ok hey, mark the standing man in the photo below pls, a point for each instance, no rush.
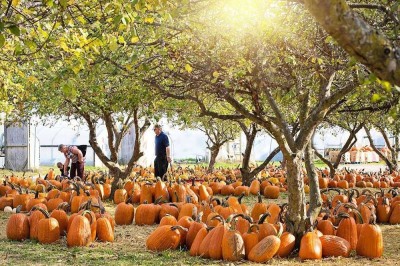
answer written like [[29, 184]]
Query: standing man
[[163, 152], [72, 153]]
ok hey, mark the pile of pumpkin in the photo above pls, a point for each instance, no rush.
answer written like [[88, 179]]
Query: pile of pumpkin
[[349, 179], [240, 237], [43, 215]]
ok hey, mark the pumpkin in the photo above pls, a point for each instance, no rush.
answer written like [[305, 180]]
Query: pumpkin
[[36, 215], [394, 217], [21, 199], [370, 243], [79, 233], [146, 193], [266, 248], [6, 201], [120, 195], [104, 230], [250, 239], [48, 229], [347, 229], [233, 248], [18, 226], [255, 187], [77, 199], [215, 244], [61, 216], [161, 191], [271, 192], [169, 208], [325, 226], [195, 246], [188, 209], [194, 228], [147, 214], [310, 246], [52, 204], [265, 229], [124, 213], [36, 200], [383, 211], [258, 209], [334, 246], [168, 220], [286, 247], [164, 237]]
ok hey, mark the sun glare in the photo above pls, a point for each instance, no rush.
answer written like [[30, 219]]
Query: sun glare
[[243, 16]]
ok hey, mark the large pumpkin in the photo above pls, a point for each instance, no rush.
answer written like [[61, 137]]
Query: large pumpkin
[[310, 246], [79, 233], [18, 226], [124, 213], [370, 243], [334, 246], [164, 237], [48, 229]]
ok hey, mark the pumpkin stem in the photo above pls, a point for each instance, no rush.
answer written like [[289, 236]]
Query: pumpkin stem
[[18, 209], [91, 214], [280, 231], [263, 217], [45, 213]]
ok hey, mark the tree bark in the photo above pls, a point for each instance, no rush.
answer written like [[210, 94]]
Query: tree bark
[[395, 152], [332, 169], [383, 157], [245, 170], [247, 177], [357, 37], [315, 195], [214, 149], [296, 218]]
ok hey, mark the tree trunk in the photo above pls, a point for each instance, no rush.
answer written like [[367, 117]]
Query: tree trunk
[[118, 176], [296, 218], [352, 139], [248, 176], [395, 152], [383, 157], [139, 132], [332, 169], [369, 46], [315, 195], [213, 158]]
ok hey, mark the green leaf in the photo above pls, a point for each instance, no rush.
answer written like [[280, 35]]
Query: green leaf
[[1, 26], [135, 39], [386, 86], [14, 30], [49, 3], [117, 19], [149, 20], [188, 68], [375, 98], [215, 74], [63, 3], [31, 45], [121, 39], [2, 40]]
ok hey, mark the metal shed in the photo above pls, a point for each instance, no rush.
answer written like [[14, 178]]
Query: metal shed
[[21, 147]]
